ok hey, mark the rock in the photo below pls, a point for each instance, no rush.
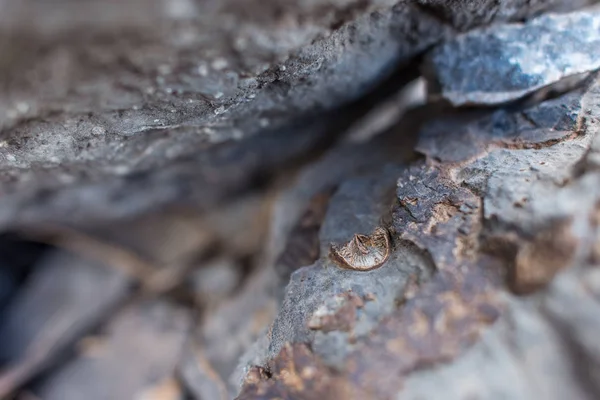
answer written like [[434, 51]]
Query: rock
[[464, 136], [199, 376], [320, 289], [175, 133], [501, 63], [64, 298], [165, 132], [464, 15], [310, 379], [137, 357], [214, 282], [437, 215], [526, 211], [228, 332], [522, 187], [548, 336], [137, 102], [517, 232]]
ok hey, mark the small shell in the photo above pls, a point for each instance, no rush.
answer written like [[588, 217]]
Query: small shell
[[364, 253]]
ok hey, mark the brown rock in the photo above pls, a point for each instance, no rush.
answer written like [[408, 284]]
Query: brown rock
[[341, 319], [538, 261]]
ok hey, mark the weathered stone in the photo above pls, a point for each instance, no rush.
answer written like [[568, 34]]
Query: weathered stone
[[313, 290], [337, 314], [529, 187], [464, 136], [551, 230], [501, 63], [168, 127], [53, 157], [549, 336], [529, 209], [296, 374], [437, 215], [466, 14], [117, 103]]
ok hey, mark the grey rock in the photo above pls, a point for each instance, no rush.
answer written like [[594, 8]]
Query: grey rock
[[135, 92], [465, 136], [501, 63], [140, 351], [522, 206], [357, 207], [466, 14], [527, 186], [137, 108], [548, 337], [230, 329], [56, 149], [543, 345], [65, 298]]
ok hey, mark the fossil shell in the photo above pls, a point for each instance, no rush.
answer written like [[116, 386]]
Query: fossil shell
[[363, 253]]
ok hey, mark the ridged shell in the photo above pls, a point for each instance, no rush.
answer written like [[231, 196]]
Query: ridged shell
[[362, 252]]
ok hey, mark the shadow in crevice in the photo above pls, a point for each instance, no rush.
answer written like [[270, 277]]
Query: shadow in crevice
[[18, 257]]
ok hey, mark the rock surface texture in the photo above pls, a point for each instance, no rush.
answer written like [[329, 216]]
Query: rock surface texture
[[498, 64], [174, 173]]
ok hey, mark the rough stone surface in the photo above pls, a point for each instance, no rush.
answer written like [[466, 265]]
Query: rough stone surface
[[467, 135], [465, 14], [547, 336], [125, 97], [524, 213], [502, 63], [169, 121], [296, 374], [314, 287], [207, 153]]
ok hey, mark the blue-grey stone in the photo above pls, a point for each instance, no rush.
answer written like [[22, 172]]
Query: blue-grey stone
[[501, 63]]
